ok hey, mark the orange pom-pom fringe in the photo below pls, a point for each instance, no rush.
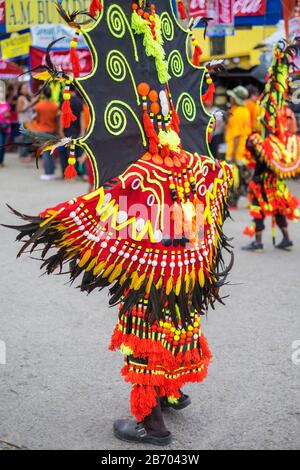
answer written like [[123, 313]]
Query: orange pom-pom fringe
[[143, 399]]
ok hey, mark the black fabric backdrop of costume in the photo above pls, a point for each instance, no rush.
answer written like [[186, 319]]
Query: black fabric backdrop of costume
[[114, 153]]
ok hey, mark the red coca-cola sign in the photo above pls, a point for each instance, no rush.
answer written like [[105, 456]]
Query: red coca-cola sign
[[2, 11], [250, 7], [227, 9], [226, 14], [61, 59], [198, 8]]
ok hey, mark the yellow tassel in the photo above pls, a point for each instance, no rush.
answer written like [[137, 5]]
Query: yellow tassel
[[123, 278], [116, 273], [99, 268], [92, 264], [109, 270], [192, 280], [169, 286], [187, 282], [201, 278], [159, 283], [126, 350], [85, 258], [140, 281], [178, 286], [134, 278], [149, 283]]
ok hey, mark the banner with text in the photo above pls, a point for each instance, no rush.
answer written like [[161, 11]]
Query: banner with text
[[61, 59], [16, 46], [240, 7], [22, 14]]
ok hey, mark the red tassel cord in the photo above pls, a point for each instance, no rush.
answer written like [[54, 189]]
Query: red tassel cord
[[70, 171], [197, 55], [150, 133], [76, 67], [208, 96], [67, 115], [181, 10], [95, 7]]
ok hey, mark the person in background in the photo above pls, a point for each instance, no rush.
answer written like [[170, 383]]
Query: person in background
[[12, 101], [238, 129], [5, 128], [25, 106], [290, 121], [76, 130], [47, 122], [252, 105]]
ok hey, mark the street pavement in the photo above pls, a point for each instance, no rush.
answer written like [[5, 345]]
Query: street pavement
[[61, 387]]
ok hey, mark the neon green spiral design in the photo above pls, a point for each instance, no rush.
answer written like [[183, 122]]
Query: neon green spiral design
[[115, 119], [117, 67], [118, 24], [167, 26], [176, 65], [188, 106]]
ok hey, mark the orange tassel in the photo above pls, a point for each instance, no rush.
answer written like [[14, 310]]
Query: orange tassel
[[209, 94], [95, 7], [70, 172], [153, 147], [165, 151], [76, 67], [181, 10], [67, 115], [149, 127], [197, 55]]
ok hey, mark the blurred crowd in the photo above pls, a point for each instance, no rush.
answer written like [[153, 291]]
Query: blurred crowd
[[42, 116]]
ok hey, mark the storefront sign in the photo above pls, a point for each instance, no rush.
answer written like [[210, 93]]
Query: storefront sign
[[240, 7], [16, 46], [222, 12], [2, 11], [22, 14], [61, 59], [43, 35], [250, 7]]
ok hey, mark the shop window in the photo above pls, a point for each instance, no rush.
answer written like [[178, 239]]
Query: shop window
[[217, 46]]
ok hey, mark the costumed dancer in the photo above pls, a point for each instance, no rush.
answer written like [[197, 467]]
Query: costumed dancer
[[276, 153], [152, 229]]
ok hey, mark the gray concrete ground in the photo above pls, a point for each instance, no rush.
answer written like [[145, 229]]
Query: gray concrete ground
[[61, 387]]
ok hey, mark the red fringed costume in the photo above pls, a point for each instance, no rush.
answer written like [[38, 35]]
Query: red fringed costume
[[274, 152], [152, 229]]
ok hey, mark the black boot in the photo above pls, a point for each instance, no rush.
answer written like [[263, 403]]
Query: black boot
[[151, 431], [286, 245], [183, 402]]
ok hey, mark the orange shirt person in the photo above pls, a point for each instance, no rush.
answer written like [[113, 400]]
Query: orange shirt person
[[47, 115]]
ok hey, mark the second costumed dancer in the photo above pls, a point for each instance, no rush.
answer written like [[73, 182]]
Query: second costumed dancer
[[276, 155], [152, 229]]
